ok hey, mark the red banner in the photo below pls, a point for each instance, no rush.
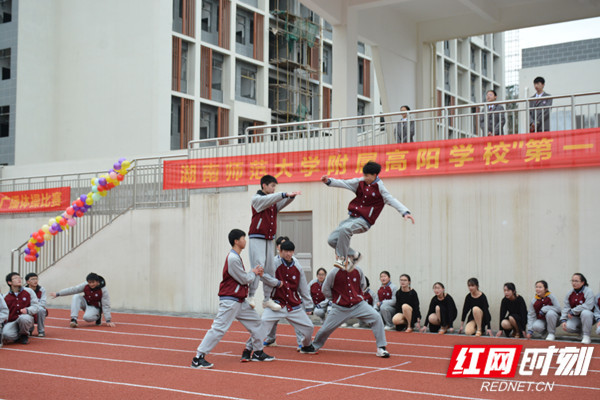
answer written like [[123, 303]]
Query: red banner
[[28, 201], [564, 149]]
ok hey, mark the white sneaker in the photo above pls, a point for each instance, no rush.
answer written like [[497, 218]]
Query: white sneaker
[[551, 336], [344, 325], [349, 265], [340, 262], [272, 305], [389, 328], [356, 325], [586, 339], [251, 302], [357, 257], [382, 352]]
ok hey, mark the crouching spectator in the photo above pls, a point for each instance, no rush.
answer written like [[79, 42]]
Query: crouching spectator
[[543, 313]]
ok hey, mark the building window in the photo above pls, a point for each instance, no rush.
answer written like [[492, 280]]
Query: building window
[[5, 11], [207, 15], [447, 48], [184, 12], [5, 63], [246, 82], [361, 48], [447, 76], [327, 64], [240, 29], [473, 62], [248, 86], [484, 63], [217, 71], [4, 120]]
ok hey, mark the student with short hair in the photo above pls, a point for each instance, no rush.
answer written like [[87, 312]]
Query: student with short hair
[[290, 291], [477, 308], [93, 300], [233, 291], [22, 305], [543, 313], [32, 283], [266, 203], [442, 311], [363, 210], [344, 288], [539, 107], [513, 313], [578, 309]]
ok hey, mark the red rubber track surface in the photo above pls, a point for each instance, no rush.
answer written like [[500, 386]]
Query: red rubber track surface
[[149, 356]]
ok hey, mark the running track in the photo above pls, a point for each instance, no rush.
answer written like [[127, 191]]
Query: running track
[[148, 357]]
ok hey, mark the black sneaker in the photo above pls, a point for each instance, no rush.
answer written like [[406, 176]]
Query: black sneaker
[[261, 356], [99, 320], [310, 349], [73, 323], [200, 362], [23, 339], [246, 355]]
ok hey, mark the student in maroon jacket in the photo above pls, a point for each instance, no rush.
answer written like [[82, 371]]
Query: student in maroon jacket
[[32, 283], [233, 291], [363, 210], [93, 300], [22, 304]]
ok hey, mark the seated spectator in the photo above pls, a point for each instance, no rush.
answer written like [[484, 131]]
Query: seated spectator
[[3, 316], [407, 312], [513, 313], [316, 293], [543, 313], [578, 309], [442, 311], [403, 127], [596, 312], [94, 300], [22, 305], [32, 283], [477, 309], [385, 294]]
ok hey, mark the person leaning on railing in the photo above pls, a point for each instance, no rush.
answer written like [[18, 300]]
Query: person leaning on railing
[[495, 116]]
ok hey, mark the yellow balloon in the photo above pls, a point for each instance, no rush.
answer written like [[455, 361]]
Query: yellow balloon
[[93, 181], [51, 221], [125, 164], [117, 183], [89, 201], [47, 236], [103, 193], [46, 228], [57, 219]]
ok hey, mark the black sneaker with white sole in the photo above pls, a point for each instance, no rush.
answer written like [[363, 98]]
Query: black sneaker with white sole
[[246, 355], [200, 362], [310, 349], [382, 352], [261, 356]]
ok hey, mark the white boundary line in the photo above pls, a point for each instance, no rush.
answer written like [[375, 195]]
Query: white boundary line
[[212, 396], [348, 377]]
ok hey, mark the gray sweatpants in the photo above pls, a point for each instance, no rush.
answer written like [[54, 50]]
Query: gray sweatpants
[[297, 318], [362, 311], [41, 319], [340, 237], [262, 252], [582, 323], [230, 310], [272, 335], [91, 313], [20, 326], [387, 311], [539, 326]]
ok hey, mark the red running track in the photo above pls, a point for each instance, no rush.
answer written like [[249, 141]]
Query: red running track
[[148, 356]]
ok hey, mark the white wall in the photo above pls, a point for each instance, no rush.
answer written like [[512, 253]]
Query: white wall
[[513, 226], [582, 78], [94, 79]]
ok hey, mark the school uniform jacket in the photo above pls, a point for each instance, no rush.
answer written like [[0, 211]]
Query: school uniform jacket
[[539, 116], [264, 213], [234, 285], [97, 297], [369, 200], [294, 291], [576, 302], [495, 119], [316, 293], [15, 302], [344, 288], [386, 292], [540, 306], [3, 311]]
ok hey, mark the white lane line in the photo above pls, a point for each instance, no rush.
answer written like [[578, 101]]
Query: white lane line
[[210, 395], [234, 372], [348, 377]]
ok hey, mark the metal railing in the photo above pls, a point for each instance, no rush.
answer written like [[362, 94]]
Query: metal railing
[[574, 111], [141, 188]]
